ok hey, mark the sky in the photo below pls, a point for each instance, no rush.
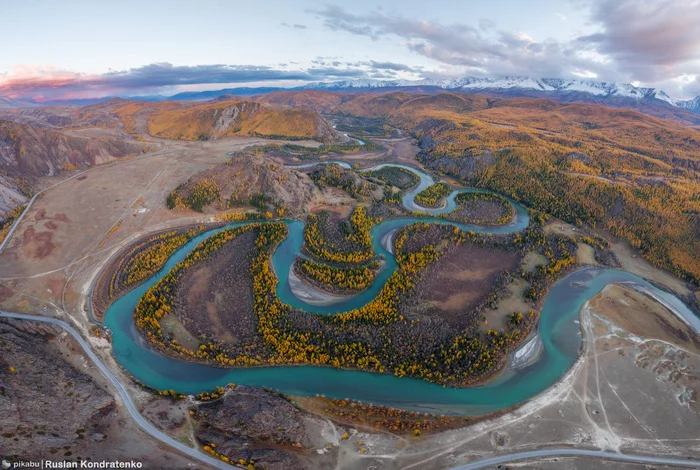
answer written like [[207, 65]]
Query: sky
[[90, 48]]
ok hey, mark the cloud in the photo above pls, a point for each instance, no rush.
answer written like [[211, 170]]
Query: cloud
[[396, 67], [693, 88], [482, 49], [651, 39], [336, 72], [636, 40], [295, 25], [655, 42], [45, 84]]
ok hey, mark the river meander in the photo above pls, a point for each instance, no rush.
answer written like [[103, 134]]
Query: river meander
[[558, 328]]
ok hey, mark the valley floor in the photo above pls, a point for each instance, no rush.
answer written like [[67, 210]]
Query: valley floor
[[627, 393]]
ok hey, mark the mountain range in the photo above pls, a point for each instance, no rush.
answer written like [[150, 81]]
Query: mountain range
[[516, 85], [649, 101], [553, 88]]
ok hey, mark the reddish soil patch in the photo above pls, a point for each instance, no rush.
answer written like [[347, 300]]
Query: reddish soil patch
[[40, 215], [342, 211], [37, 245], [214, 299], [5, 293], [51, 225], [458, 282], [56, 287]]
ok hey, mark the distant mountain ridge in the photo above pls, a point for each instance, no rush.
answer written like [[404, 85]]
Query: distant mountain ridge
[[691, 105], [520, 83], [648, 100]]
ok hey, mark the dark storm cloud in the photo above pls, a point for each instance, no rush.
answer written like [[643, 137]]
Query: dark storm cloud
[[164, 74], [152, 76]]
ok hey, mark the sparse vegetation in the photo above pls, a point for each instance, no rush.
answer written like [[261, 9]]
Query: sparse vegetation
[[433, 195], [396, 176], [230, 118]]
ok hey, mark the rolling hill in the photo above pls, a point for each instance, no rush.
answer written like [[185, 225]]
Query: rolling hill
[[222, 117], [630, 174], [243, 117]]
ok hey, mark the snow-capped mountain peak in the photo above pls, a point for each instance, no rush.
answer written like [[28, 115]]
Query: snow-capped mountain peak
[[521, 83], [691, 105]]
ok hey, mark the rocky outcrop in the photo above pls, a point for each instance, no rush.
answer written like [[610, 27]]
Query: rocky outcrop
[[258, 425], [582, 157], [51, 409], [46, 405], [252, 179], [28, 152], [241, 117], [11, 195]]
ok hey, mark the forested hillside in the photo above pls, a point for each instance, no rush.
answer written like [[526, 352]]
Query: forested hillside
[[634, 175], [628, 173]]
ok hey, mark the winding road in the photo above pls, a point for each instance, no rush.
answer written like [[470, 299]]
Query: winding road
[[121, 390], [643, 459]]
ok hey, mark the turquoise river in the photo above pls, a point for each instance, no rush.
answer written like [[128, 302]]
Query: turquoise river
[[558, 328]]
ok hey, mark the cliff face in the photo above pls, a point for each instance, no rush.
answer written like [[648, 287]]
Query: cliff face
[[28, 152]]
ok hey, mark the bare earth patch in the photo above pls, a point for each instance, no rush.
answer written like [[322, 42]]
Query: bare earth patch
[[214, 299], [585, 254], [641, 315], [533, 260], [458, 281], [512, 302]]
